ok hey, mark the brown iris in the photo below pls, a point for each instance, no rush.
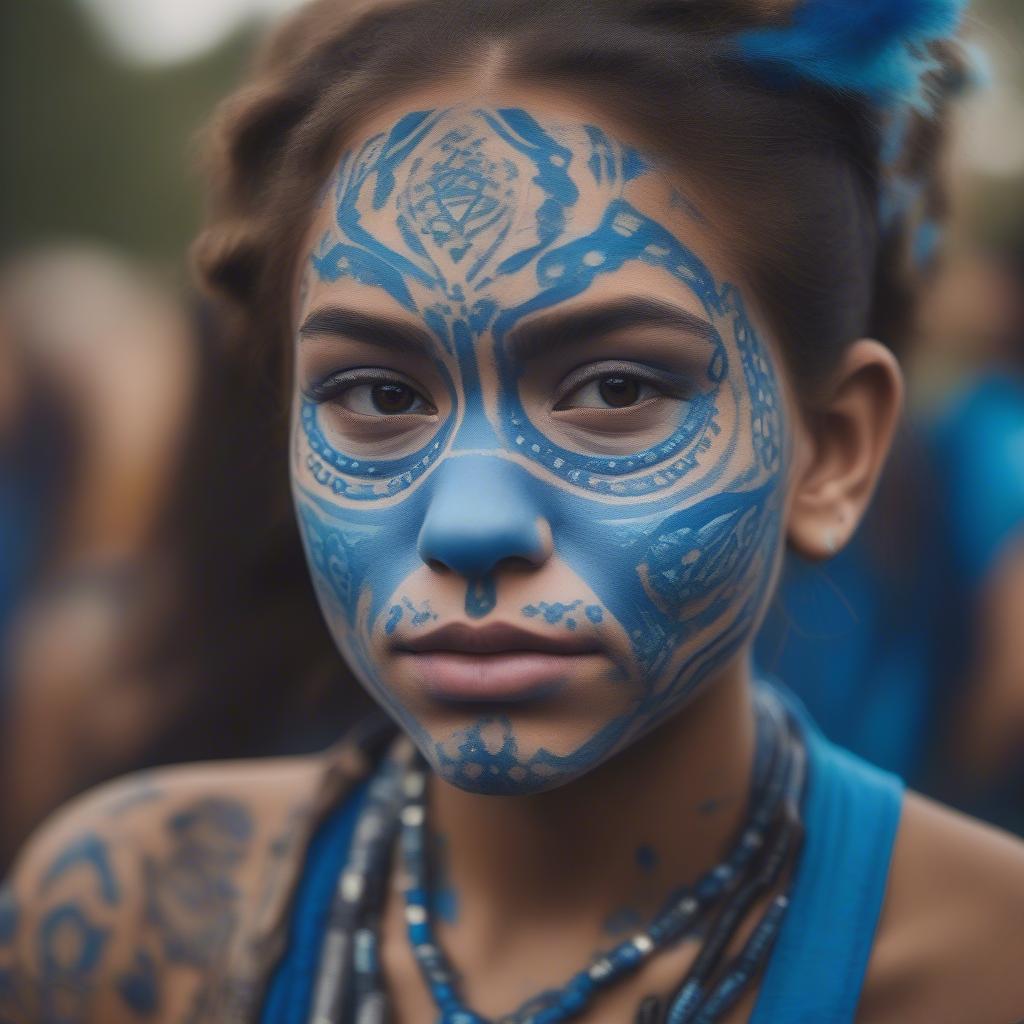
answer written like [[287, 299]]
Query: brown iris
[[393, 398], [619, 392]]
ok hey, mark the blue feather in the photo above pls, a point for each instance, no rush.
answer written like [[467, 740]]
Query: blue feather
[[872, 48]]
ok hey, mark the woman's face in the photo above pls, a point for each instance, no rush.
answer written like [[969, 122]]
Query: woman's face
[[539, 445]]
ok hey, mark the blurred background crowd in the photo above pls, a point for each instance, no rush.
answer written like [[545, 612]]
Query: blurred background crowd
[[154, 605]]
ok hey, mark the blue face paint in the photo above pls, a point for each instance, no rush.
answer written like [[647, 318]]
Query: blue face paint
[[481, 596], [394, 618], [551, 613], [473, 223]]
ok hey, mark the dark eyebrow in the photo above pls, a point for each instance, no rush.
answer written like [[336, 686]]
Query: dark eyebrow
[[374, 330], [540, 335]]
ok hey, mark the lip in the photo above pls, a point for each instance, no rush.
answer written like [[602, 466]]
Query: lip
[[496, 638], [498, 662]]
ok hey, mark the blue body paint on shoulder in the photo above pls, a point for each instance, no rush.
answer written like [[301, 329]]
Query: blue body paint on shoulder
[[70, 947], [90, 852], [139, 988], [191, 894]]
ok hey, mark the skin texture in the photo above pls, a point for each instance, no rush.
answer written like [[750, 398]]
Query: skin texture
[[153, 880]]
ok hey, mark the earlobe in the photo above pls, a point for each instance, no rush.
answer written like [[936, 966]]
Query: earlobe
[[841, 445]]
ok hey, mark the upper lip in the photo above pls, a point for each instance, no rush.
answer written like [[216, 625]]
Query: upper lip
[[497, 638]]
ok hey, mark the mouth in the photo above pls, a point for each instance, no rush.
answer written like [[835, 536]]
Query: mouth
[[498, 662]]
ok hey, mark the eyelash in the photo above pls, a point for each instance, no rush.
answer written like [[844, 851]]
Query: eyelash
[[334, 387]]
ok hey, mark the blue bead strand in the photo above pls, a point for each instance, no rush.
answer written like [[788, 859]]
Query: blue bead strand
[[778, 762], [746, 965], [691, 1001]]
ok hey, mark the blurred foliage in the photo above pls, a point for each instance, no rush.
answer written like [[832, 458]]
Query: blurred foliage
[[96, 148]]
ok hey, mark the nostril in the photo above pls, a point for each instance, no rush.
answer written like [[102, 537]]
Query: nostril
[[521, 562]]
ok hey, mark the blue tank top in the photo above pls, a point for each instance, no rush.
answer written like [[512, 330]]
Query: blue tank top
[[816, 971]]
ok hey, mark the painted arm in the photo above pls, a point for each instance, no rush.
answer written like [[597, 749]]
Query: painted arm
[[69, 909], [123, 907]]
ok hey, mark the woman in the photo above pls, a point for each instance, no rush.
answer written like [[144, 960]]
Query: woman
[[581, 299]]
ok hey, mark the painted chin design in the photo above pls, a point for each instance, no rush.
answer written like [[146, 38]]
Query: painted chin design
[[657, 562]]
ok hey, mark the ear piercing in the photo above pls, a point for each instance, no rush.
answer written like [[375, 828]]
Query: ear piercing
[[830, 542]]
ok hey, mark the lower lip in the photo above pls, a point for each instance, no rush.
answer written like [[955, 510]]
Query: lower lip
[[512, 675]]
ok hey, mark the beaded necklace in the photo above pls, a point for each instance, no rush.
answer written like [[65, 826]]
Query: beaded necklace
[[349, 987]]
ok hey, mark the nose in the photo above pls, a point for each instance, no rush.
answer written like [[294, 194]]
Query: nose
[[480, 515]]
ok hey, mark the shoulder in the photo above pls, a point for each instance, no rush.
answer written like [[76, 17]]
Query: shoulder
[[951, 937], [123, 905]]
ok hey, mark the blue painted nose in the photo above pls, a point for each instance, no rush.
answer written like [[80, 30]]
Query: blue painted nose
[[481, 514]]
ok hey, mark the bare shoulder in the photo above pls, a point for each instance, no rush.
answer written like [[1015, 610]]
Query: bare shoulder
[[123, 903], [950, 942]]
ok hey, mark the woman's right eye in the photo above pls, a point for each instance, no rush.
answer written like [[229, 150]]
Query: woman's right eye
[[372, 393]]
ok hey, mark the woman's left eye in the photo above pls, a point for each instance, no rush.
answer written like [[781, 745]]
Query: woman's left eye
[[618, 391], [615, 385]]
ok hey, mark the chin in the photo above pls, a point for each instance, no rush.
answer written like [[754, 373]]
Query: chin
[[492, 756]]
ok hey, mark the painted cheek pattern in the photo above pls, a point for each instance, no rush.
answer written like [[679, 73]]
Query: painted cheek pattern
[[677, 540]]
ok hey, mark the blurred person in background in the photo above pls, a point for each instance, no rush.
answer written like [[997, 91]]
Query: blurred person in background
[[978, 457], [908, 646], [36, 449], [142, 624], [113, 372]]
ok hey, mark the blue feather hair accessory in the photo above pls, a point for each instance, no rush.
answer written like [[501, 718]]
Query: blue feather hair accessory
[[877, 49]]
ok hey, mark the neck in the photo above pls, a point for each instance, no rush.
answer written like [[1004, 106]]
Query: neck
[[608, 848]]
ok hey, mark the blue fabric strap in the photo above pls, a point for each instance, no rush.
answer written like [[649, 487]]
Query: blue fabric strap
[[851, 813], [291, 986]]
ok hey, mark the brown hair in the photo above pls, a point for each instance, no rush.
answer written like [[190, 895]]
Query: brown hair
[[793, 174]]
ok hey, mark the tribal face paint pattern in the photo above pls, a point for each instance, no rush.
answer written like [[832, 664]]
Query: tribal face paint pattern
[[476, 226]]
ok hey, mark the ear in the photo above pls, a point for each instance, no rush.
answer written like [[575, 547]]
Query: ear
[[841, 442]]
